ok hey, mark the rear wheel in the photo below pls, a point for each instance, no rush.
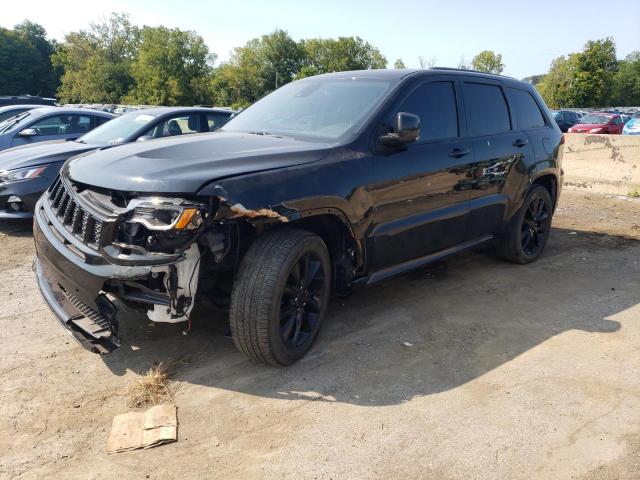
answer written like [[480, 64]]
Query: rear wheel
[[528, 232], [280, 296]]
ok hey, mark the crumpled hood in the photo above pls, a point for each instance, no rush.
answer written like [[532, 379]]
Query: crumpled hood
[[41, 153], [183, 164]]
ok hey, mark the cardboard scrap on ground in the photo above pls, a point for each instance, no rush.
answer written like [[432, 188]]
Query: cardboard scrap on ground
[[134, 430]]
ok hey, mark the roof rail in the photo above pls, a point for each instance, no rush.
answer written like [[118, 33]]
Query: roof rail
[[471, 71]]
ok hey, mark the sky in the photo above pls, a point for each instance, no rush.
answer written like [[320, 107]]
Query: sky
[[528, 34]]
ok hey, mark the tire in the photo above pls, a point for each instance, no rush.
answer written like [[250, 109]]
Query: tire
[[528, 231], [273, 320]]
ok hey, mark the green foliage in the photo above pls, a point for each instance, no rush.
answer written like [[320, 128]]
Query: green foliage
[[488, 61], [172, 67], [584, 79], [326, 55], [557, 85], [595, 68], [25, 65], [114, 61], [270, 61], [256, 69], [626, 83], [97, 62]]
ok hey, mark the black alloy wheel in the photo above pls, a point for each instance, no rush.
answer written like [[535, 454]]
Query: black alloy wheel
[[300, 305], [536, 222], [528, 231], [280, 296]]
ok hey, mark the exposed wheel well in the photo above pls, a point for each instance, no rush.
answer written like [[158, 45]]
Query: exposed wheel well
[[335, 234], [550, 183]]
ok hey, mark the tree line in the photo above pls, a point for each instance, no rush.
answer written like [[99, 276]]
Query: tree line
[[593, 77], [114, 61]]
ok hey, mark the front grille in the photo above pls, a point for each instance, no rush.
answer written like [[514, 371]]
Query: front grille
[[75, 219]]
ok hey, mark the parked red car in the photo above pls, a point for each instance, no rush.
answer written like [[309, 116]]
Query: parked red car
[[599, 122]]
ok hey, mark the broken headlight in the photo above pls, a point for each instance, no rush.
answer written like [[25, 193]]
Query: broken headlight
[[163, 214]]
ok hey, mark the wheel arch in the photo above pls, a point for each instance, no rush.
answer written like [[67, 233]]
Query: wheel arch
[[549, 180]]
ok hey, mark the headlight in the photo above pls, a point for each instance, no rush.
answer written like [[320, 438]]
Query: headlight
[[158, 213], [596, 130], [10, 176]]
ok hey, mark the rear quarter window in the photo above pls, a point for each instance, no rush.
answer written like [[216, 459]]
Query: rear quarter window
[[486, 109], [525, 109]]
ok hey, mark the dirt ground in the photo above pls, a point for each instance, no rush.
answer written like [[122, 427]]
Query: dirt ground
[[515, 372]]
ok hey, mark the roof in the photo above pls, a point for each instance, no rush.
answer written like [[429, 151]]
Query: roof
[[43, 110], [16, 106], [158, 111], [396, 75]]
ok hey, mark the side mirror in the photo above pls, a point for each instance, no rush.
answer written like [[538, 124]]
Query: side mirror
[[407, 130], [28, 132]]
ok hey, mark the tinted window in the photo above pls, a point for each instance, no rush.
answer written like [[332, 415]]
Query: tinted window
[[62, 125], [617, 121], [178, 125], [486, 109], [435, 104], [214, 120], [525, 109]]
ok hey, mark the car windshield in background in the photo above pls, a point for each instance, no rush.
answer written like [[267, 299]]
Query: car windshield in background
[[314, 108], [12, 121], [597, 119], [117, 130]]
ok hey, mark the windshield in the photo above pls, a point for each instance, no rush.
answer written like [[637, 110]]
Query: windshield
[[12, 121], [555, 113], [316, 108], [598, 119], [117, 130]]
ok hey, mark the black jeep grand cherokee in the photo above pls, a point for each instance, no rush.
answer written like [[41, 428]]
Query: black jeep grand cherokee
[[328, 182]]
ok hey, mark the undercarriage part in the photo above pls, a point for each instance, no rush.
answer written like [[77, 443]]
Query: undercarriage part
[[343, 273], [181, 283]]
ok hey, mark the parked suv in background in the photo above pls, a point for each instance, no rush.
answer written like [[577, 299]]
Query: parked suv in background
[[27, 171], [25, 100], [565, 119], [331, 181]]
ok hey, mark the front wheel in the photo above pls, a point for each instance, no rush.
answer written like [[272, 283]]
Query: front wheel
[[529, 230], [280, 296]]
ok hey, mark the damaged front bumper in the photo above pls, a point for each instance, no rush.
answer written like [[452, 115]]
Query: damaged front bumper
[[79, 284]]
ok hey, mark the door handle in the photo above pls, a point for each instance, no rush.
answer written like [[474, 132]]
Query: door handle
[[520, 142], [459, 152]]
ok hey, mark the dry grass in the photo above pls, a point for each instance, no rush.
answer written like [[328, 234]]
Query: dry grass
[[155, 385]]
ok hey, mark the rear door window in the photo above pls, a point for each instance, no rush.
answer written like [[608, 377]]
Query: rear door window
[[435, 104], [486, 109], [525, 109], [178, 125], [214, 120], [62, 125]]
